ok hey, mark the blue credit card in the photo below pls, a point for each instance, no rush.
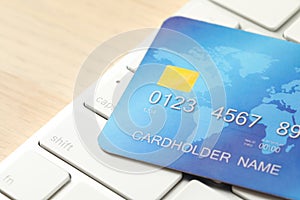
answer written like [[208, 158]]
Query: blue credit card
[[215, 102]]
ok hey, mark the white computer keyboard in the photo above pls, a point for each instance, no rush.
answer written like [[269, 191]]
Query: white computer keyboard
[[54, 164]]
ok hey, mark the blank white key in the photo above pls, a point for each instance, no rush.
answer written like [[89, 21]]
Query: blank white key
[[64, 142], [32, 177], [267, 13], [195, 189], [85, 191], [293, 32], [250, 194], [206, 11]]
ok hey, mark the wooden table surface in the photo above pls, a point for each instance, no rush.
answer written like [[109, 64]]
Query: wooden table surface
[[42, 46]]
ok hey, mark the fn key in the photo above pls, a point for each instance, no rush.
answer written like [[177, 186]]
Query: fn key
[[32, 177]]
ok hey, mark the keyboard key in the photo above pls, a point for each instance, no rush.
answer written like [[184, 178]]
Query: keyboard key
[[175, 191], [267, 13], [250, 194], [293, 32], [221, 188], [85, 191], [198, 189], [208, 12], [32, 177], [106, 96], [63, 142], [111, 86], [224, 190]]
